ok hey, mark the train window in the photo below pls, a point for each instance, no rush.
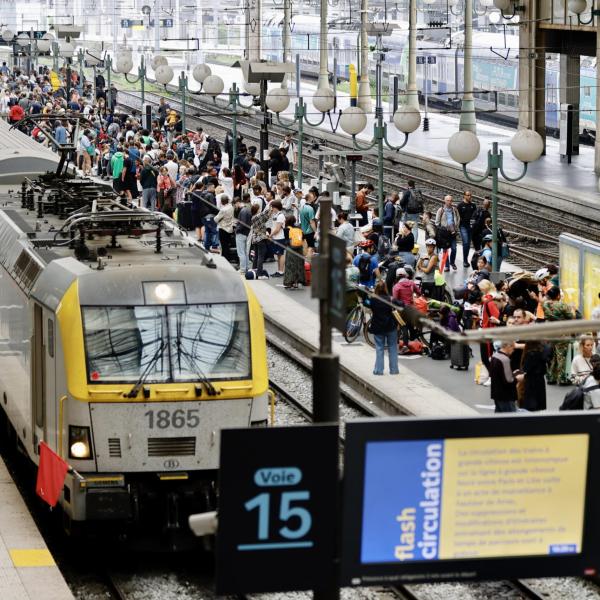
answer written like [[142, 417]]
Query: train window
[[50, 341], [501, 98], [167, 343]]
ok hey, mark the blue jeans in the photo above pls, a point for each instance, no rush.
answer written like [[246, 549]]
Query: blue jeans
[[391, 339], [465, 234], [149, 198], [211, 235], [452, 257], [240, 245], [503, 406]]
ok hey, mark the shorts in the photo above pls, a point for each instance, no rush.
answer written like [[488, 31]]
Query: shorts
[[278, 248], [310, 239]]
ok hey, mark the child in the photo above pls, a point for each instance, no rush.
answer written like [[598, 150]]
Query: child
[[294, 258]]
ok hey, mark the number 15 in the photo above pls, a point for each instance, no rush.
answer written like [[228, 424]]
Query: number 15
[[286, 512]]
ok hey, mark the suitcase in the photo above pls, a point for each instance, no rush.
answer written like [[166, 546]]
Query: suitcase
[[184, 215], [459, 356], [307, 273]]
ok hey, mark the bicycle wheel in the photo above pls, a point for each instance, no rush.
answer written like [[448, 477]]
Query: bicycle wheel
[[367, 334], [423, 334], [354, 323]]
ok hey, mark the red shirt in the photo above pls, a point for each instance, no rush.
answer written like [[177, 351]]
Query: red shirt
[[404, 291], [489, 310]]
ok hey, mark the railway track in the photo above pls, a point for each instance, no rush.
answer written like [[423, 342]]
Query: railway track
[[538, 226]]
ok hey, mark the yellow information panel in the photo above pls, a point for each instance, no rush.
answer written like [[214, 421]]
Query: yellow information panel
[[513, 496], [464, 498], [569, 272], [591, 283]]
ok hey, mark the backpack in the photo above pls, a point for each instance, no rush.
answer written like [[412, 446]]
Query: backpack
[[474, 260], [117, 161], [397, 214], [574, 399], [443, 238], [364, 268], [439, 351], [295, 235], [414, 205], [383, 246]]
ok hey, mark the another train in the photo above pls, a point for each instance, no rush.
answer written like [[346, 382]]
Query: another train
[[495, 66], [126, 347]]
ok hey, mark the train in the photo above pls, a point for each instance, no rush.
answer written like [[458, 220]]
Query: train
[[126, 347], [495, 67]]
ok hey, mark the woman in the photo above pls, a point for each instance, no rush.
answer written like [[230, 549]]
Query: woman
[[164, 186], [556, 310], [239, 181], [533, 365], [591, 388], [405, 242], [581, 366], [225, 221], [259, 237], [427, 265], [384, 327], [294, 258], [226, 181], [87, 150]]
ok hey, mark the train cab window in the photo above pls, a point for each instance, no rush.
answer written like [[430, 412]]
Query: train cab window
[[50, 342], [164, 344]]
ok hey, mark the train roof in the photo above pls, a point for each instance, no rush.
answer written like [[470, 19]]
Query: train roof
[[20, 156], [44, 248]]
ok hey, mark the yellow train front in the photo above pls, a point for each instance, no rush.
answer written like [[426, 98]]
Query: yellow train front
[[129, 372]]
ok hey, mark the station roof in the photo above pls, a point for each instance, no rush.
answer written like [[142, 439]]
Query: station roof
[[21, 156]]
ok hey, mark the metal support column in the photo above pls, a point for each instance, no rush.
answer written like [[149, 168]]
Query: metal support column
[[467, 109], [364, 86], [412, 97], [323, 81], [264, 128]]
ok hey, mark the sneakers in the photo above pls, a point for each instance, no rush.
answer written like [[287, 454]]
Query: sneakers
[[466, 265], [453, 267], [488, 383], [277, 274]]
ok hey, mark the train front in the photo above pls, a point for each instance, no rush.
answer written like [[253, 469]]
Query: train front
[[158, 360]]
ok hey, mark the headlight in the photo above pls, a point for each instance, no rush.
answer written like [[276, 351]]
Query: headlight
[[79, 442]]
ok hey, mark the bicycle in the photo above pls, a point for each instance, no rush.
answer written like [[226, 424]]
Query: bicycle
[[358, 319]]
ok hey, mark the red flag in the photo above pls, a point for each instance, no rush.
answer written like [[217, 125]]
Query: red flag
[[52, 471], [444, 259]]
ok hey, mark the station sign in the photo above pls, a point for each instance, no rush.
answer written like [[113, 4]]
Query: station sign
[[471, 499], [337, 282], [278, 507]]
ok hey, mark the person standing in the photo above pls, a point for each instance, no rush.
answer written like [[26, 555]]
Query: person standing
[[412, 206], [427, 265], [362, 203], [384, 327], [447, 221], [478, 223], [308, 223], [242, 230], [345, 230], [533, 366], [556, 310], [290, 151], [148, 181], [294, 260], [466, 210], [260, 239], [225, 222], [503, 389], [277, 236]]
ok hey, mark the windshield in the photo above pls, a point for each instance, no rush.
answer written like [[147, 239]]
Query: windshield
[[166, 343]]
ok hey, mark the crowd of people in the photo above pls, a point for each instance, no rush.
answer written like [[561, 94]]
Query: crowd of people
[[250, 212]]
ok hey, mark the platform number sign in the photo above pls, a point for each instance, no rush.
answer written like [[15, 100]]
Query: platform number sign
[[277, 509]]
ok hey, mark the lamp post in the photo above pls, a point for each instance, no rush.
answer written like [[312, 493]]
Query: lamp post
[[463, 147], [67, 50], [323, 101], [353, 120]]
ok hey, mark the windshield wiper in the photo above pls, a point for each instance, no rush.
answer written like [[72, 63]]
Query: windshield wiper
[[191, 360], [133, 392]]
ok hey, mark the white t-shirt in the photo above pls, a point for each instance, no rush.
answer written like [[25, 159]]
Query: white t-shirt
[[227, 183], [173, 169], [279, 218], [290, 152]]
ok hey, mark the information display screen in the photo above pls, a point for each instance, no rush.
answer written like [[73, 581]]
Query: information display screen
[[414, 506]]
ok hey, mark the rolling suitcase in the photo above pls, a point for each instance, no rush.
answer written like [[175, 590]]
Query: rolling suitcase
[[307, 273], [184, 215], [459, 356]]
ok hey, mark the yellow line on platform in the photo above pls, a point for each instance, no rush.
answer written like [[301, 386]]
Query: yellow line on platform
[[31, 557]]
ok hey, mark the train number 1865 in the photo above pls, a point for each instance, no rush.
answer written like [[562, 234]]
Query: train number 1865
[[179, 418]]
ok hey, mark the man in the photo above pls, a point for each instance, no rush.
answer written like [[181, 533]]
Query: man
[[308, 223], [277, 236], [503, 389], [362, 204], [389, 212], [479, 218], [290, 150], [367, 263], [171, 165], [4, 70], [116, 168], [447, 221], [412, 206], [466, 210], [242, 230], [148, 176], [163, 110], [60, 133], [345, 230]]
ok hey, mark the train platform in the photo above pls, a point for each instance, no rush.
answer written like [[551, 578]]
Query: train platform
[[27, 569], [424, 387], [548, 180]]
